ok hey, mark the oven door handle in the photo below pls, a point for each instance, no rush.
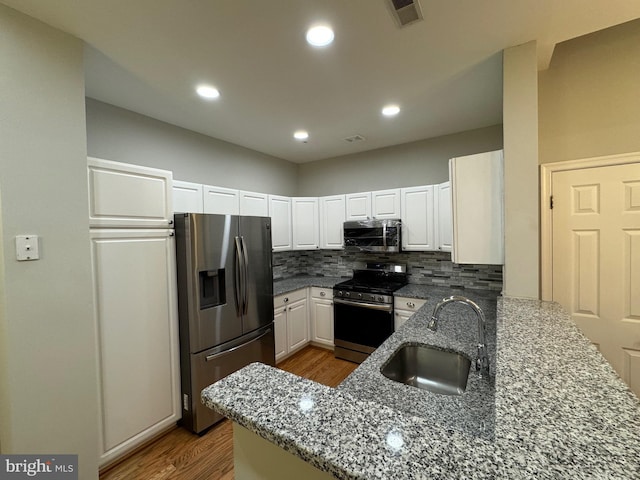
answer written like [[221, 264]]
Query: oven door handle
[[371, 306]]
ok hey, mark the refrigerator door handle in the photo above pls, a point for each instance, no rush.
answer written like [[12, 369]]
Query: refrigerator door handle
[[245, 286], [213, 356], [239, 278]]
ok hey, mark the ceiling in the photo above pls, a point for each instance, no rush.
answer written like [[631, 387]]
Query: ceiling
[[445, 72]]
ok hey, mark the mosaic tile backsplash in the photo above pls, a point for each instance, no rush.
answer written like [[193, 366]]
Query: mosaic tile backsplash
[[426, 268]]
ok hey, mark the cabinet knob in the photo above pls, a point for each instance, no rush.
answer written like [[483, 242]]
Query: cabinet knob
[[411, 304], [170, 222], [286, 299], [322, 294]]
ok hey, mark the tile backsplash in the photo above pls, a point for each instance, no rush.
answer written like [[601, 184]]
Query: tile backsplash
[[428, 268]]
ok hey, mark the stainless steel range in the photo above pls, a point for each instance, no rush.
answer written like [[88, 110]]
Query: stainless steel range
[[363, 309]]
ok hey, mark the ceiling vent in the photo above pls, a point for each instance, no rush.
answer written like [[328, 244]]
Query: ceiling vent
[[405, 12], [354, 139]]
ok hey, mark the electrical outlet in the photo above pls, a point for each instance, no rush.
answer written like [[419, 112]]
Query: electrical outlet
[[27, 247]]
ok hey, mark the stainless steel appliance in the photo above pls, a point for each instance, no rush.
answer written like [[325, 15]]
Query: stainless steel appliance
[[225, 303], [363, 309], [372, 235]]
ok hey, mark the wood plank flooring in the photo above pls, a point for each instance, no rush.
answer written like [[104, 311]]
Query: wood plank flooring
[[181, 455]]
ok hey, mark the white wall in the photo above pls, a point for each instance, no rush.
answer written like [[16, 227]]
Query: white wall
[[521, 197], [589, 96], [48, 381], [124, 136], [417, 163]]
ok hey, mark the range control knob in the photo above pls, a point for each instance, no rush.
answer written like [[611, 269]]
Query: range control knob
[[379, 298], [340, 292], [347, 294], [359, 295]]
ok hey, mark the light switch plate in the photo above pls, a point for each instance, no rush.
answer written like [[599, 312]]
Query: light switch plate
[[27, 247]]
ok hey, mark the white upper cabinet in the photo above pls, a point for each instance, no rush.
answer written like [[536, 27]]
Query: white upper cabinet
[[332, 217], [418, 230], [444, 222], [187, 197], [224, 201], [280, 213], [306, 223], [358, 205], [385, 203], [477, 193], [123, 195], [254, 204]]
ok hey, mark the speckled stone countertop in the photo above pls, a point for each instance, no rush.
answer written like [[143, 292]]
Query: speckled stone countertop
[[302, 281], [559, 410]]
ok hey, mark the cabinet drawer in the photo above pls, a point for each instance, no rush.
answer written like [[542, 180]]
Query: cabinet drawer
[[288, 298], [325, 293], [410, 304]]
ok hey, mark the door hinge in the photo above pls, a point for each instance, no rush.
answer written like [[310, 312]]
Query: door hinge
[[551, 202]]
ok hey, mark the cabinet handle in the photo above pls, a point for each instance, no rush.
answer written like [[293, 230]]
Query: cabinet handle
[[411, 304], [170, 222]]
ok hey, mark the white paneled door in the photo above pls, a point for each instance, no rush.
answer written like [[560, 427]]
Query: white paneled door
[[596, 259]]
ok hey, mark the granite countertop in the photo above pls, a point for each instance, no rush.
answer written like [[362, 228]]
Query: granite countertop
[[303, 281], [558, 409]]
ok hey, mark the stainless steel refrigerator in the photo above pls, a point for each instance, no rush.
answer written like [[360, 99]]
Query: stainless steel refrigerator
[[225, 303]]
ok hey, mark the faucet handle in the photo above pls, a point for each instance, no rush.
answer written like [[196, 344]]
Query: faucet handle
[[482, 361], [432, 325]]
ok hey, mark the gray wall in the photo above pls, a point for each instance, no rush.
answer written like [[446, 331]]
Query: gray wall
[[589, 101], [124, 136], [418, 163], [48, 379]]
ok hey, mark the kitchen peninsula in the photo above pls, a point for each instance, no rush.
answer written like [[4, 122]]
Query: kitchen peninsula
[[558, 409]]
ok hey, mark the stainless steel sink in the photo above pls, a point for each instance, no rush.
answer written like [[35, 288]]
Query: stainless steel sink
[[429, 368]]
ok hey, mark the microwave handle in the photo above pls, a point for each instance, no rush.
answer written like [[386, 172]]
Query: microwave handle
[[384, 234]]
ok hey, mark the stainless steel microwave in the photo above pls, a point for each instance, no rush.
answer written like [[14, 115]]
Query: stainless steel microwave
[[372, 235]]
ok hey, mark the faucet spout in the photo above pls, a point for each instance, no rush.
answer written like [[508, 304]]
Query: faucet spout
[[482, 360]]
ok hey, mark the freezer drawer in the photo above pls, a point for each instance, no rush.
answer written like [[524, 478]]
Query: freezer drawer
[[211, 365]]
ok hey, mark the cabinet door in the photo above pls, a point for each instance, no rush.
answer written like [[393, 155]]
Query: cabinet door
[[385, 203], [477, 193], [280, 212], [417, 218], [124, 195], [400, 317], [187, 197], [254, 204], [297, 325], [136, 307], [322, 321], [332, 216], [280, 331], [224, 201], [443, 219], [358, 206], [306, 225]]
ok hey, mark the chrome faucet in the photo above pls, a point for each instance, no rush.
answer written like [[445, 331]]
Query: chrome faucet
[[482, 362]]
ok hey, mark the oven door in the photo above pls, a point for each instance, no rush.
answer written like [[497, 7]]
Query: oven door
[[360, 328]]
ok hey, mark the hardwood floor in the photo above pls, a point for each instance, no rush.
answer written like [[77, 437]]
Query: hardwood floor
[[181, 455]]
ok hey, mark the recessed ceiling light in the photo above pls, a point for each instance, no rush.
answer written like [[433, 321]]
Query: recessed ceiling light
[[301, 135], [207, 91], [391, 110], [320, 36]]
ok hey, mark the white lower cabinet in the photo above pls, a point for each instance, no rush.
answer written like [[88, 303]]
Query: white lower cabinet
[[404, 308], [291, 322], [322, 316], [136, 311]]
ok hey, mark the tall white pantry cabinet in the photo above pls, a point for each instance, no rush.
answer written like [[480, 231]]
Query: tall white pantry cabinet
[[133, 260]]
